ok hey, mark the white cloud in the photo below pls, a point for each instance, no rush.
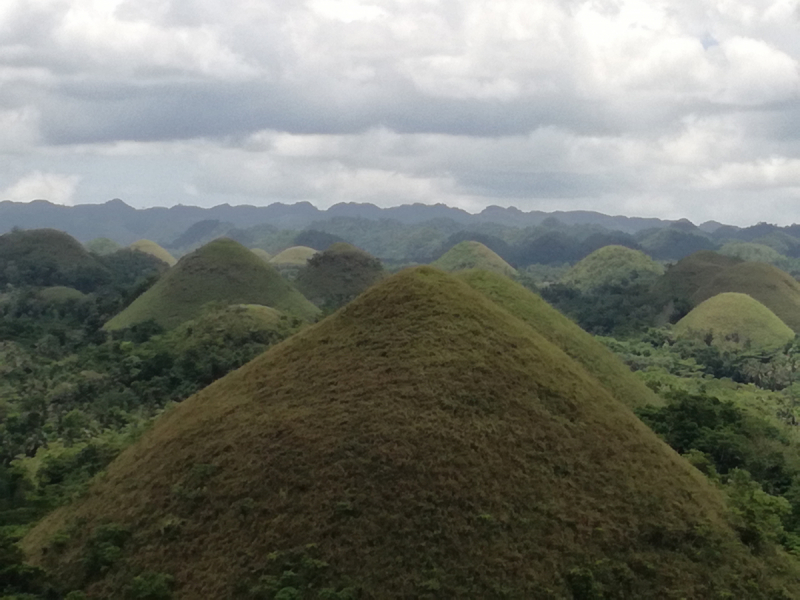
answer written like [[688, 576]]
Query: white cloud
[[54, 187], [570, 104]]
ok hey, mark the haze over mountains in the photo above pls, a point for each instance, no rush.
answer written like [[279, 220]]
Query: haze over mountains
[[118, 221]]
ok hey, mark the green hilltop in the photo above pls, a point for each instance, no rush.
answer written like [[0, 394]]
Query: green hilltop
[[682, 280], [775, 289], [59, 294], [221, 325], [221, 271], [296, 256], [422, 442], [261, 253], [735, 320], [472, 255], [333, 278], [48, 257], [612, 265], [565, 334], [153, 249], [102, 246]]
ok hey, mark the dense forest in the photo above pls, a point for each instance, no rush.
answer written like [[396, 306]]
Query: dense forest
[[690, 332]]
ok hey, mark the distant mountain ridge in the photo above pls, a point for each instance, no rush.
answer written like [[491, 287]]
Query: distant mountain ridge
[[125, 224]]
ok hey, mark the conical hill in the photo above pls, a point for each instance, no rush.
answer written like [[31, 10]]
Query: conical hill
[[221, 271], [565, 334], [472, 255], [420, 442], [153, 249], [683, 279], [48, 257], [775, 289], [613, 265], [333, 278], [735, 320]]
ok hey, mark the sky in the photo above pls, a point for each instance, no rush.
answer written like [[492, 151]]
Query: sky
[[673, 109]]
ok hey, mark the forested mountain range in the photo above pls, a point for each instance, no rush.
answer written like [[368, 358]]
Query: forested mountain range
[[125, 224]]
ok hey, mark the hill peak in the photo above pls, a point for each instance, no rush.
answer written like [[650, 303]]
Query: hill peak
[[421, 440]]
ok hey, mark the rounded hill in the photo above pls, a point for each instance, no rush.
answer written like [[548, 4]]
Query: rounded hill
[[737, 320], [102, 246], [333, 278], [775, 289], [682, 280], [221, 271], [613, 265], [421, 441], [48, 257], [153, 249], [470, 254], [261, 253], [296, 256]]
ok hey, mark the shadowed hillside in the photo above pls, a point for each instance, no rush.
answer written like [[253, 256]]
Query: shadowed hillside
[[221, 271], [421, 442], [333, 278], [775, 289], [564, 333], [47, 257], [153, 249], [472, 255], [735, 320], [612, 265], [683, 279]]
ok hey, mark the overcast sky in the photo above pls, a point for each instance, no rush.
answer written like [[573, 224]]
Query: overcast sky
[[685, 108]]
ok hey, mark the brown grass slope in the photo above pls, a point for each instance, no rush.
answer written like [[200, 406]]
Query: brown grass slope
[[683, 279], [473, 255], [775, 289], [421, 442], [221, 271], [564, 333], [153, 249]]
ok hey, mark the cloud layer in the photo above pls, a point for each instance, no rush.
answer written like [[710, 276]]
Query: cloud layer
[[673, 108]]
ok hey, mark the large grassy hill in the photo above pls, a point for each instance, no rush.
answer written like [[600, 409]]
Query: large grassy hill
[[775, 289], [333, 278], [153, 249], [735, 320], [564, 333], [682, 280], [612, 265], [422, 442], [221, 271], [472, 255], [48, 257]]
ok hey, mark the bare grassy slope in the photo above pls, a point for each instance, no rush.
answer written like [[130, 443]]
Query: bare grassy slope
[[564, 333], [220, 271], [775, 289], [427, 444], [613, 265], [688, 275], [735, 320], [472, 255], [153, 249], [296, 256]]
